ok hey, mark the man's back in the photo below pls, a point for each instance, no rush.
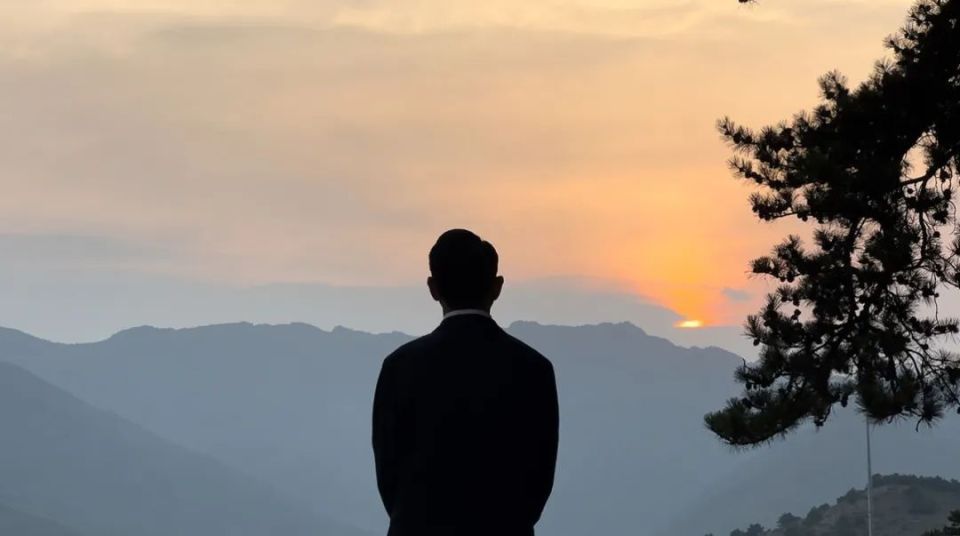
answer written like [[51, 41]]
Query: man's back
[[465, 429]]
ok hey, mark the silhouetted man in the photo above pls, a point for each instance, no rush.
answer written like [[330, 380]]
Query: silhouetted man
[[465, 418]]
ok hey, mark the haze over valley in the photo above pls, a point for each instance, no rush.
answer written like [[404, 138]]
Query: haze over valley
[[281, 412]]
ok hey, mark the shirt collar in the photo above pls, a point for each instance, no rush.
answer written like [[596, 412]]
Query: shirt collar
[[458, 312]]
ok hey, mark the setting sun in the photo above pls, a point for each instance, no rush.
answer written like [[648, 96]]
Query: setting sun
[[689, 324]]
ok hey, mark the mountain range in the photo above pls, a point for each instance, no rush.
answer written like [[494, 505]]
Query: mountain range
[[284, 410], [16, 522], [101, 475]]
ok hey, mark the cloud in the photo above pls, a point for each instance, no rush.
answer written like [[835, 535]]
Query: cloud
[[655, 19], [735, 295], [56, 254]]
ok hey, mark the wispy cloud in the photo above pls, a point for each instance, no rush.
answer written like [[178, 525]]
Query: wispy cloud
[[736, 295]]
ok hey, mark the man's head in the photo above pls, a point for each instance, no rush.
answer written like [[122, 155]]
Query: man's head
[[463, 271]]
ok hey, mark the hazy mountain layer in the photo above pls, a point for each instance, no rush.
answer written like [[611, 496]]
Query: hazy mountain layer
[[793, 474], [290, 405], [85, 468], [17, 523]]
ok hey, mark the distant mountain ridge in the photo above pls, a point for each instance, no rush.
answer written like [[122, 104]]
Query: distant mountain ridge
[[15, 342], [126, 300], [290, 405], [17, 523], [92, 471]]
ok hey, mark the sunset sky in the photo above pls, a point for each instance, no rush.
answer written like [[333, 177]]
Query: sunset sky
[[284, 141]]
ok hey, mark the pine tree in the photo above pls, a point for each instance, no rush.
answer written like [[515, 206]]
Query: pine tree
[[875, 168], [953, 529]]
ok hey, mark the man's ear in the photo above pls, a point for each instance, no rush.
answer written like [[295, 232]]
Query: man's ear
[[497, 287], [433, 289]]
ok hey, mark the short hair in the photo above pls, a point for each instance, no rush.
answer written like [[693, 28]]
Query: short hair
[[463, 267]]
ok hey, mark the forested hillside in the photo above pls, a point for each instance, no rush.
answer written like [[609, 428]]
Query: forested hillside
[[903, 505]]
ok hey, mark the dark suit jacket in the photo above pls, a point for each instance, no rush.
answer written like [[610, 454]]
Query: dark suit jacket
[[465, 430]]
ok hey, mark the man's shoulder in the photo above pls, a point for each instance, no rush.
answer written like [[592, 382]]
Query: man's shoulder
[[410, 349], [527, 352], [425, 344]]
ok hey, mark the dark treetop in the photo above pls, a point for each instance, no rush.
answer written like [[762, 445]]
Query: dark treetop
[[876, 168]]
